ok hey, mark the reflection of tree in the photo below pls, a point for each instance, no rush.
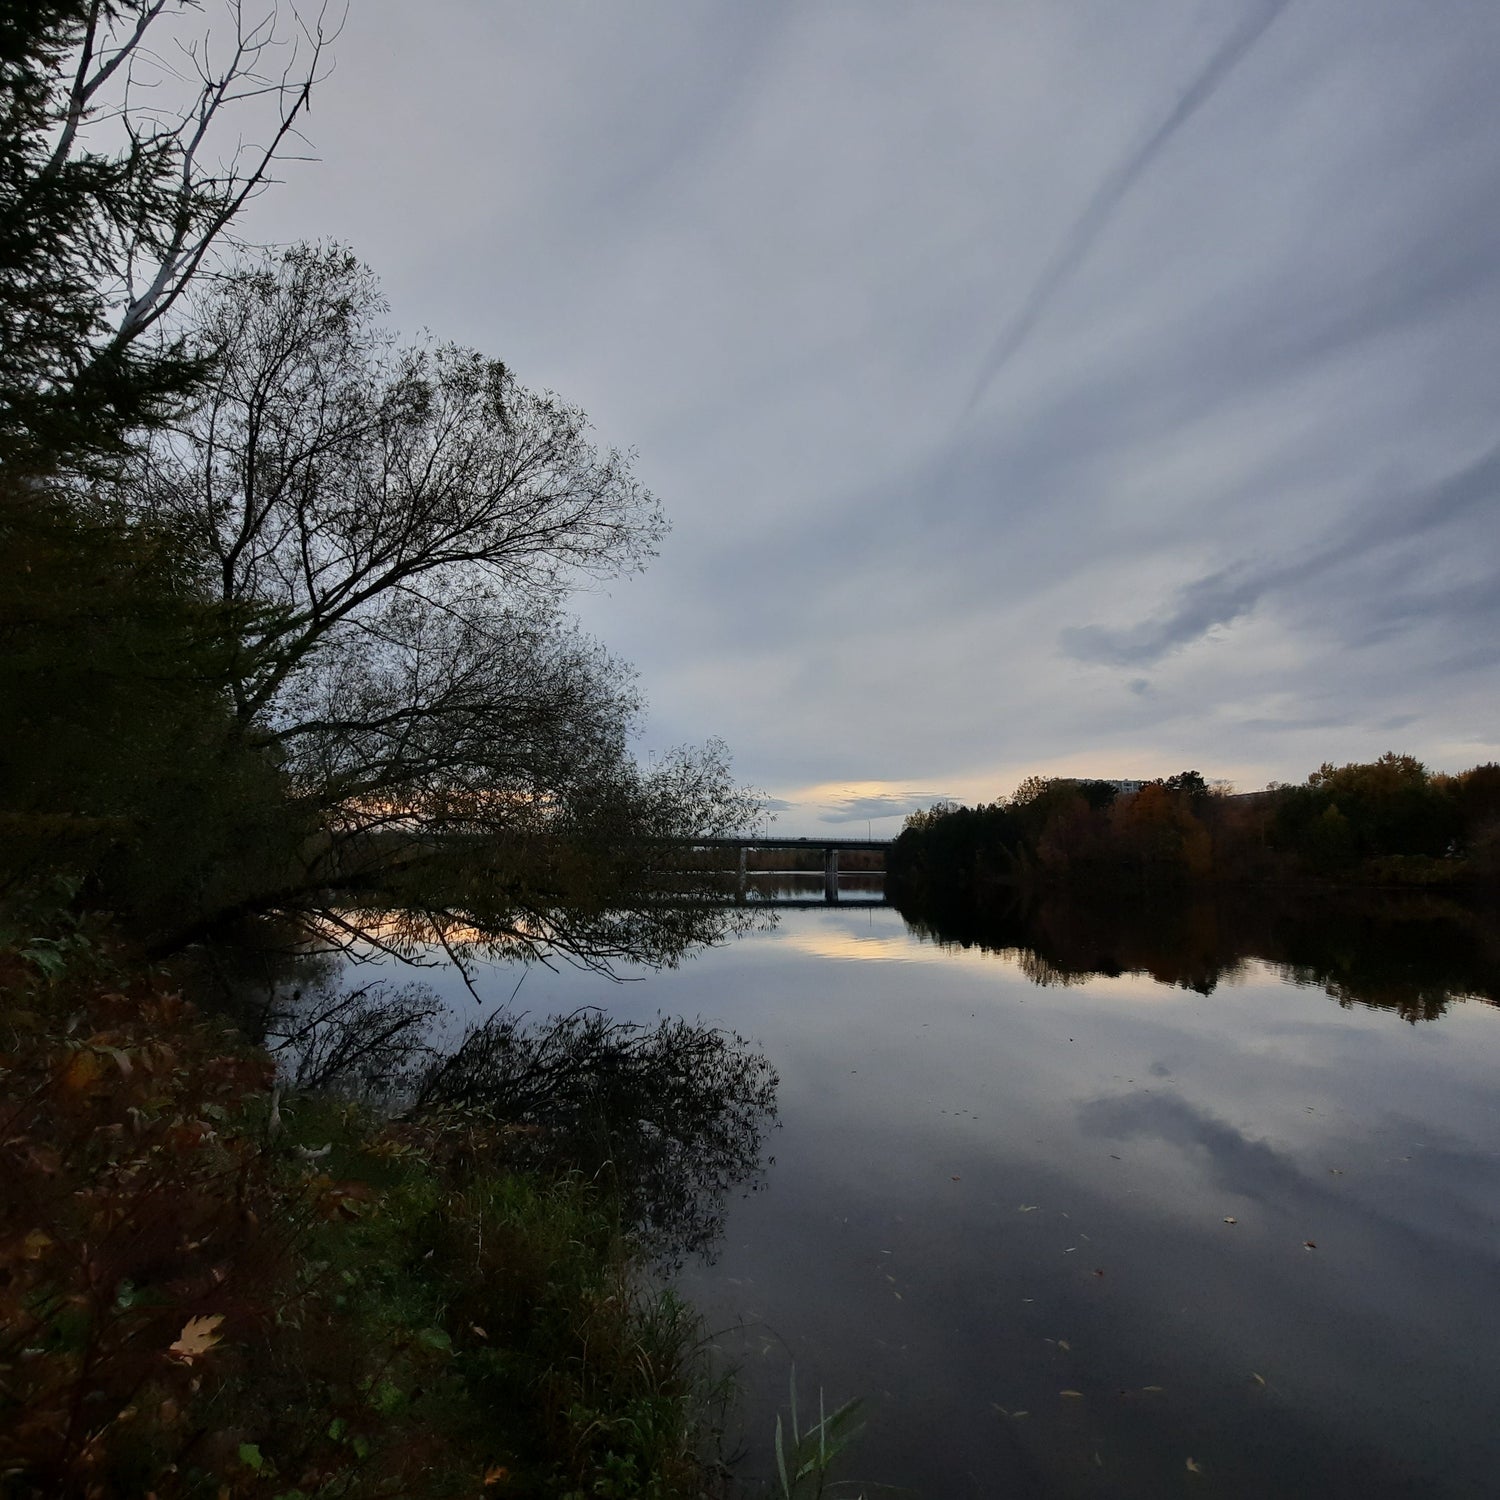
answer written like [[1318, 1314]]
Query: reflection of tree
[[671, 1115], [1410, 954]]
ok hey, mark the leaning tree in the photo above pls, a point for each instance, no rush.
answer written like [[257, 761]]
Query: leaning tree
[[395, 530]]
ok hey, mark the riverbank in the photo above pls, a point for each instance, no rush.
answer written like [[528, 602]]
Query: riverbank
[[212, 1288]]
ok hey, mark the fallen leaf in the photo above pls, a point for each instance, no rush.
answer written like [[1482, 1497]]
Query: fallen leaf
[[955, 1179], [1194, 1468], [1258, 1379], [498, 1475], [1309, 1245], [1074, 1395], [1029, 1208], [1153, 1387], [1098, 1272], [1063, 1344], [197, 1338], [82, 1069], [1231, 1221]]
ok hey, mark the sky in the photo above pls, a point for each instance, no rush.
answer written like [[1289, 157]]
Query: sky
[[1047, 386]]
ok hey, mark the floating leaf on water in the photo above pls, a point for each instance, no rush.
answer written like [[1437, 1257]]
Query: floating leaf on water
[[498, 1475], [1029, 1208], [1194, 1468], [1098, 1271], [1231, 1221], [1337, 1171], [955, 1179], [1258, 1379], [1309, 1245], [1072, 1395], [1070, 1249], [1064, 1344], [1153, 1387]]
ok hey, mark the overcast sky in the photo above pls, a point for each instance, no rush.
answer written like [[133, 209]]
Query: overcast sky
[[1033, 385]]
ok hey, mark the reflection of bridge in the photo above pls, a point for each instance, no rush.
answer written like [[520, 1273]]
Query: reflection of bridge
[[829, 848]]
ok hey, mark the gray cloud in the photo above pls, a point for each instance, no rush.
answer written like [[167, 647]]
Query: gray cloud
[[1108, 195], [1224, 597], [881, 805], [1239, 400]]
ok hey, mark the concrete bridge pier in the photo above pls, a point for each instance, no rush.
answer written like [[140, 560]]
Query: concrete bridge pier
[[831, 876]]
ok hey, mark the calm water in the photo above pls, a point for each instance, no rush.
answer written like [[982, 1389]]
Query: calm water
[[1067, 1230]]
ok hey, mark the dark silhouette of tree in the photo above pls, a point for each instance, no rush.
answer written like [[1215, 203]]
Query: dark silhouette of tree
[[396, 529], [128, 145]]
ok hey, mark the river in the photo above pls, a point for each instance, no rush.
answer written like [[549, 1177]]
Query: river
[[1071, 1229]]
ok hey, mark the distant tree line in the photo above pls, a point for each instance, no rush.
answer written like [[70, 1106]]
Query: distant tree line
[[1386, 822]]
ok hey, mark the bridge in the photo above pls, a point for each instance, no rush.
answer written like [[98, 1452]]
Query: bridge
[[830, 849]]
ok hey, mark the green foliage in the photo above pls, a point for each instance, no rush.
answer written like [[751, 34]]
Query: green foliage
[[804, 1464], [1389, 808]]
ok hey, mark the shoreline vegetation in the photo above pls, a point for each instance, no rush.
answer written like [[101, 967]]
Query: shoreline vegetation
[[214, 1286], [1385, 824], [285, 648]]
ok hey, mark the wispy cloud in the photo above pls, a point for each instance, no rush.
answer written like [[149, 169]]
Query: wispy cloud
[[880, 805], [1112, 191]]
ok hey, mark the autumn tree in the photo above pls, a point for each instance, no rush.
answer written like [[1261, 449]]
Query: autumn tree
[[396, 530]]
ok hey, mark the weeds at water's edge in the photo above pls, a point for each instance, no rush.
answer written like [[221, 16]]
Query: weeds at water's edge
[[194, 1303], [803, 1466]]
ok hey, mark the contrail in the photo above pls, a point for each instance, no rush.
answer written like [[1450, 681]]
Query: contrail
[[1108, 194]]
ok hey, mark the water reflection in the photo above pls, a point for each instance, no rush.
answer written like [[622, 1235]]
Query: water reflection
[[1070, 1206], [671, 1113], [1411, 954], [1073, 1196]]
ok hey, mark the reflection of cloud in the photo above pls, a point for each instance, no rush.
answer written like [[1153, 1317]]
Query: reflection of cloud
[[1236, 1162], [1006, 966], [777, 804]]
